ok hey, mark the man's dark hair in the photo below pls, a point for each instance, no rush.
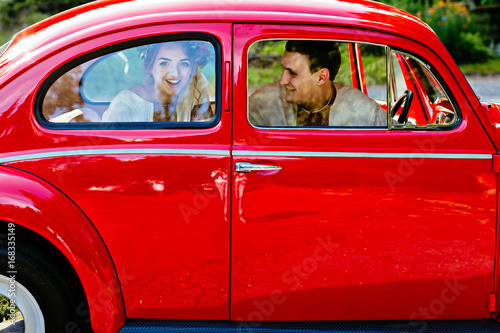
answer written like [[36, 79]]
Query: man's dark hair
[[322, 54]]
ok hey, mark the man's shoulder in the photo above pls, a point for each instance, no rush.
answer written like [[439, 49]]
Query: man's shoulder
[[349, 94], [267, 107], [346, 91], [271, 89]]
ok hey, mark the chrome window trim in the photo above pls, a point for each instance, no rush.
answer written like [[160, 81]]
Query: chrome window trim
[[112, 151], [361, 154], [237, 153], [314, 128]]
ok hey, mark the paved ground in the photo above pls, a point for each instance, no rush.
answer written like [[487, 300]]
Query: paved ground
[[11, 327], [486, 87]]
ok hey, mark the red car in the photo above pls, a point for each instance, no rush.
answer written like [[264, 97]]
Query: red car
[[185, 165]]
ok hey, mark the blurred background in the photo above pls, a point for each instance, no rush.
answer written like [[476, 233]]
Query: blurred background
[[470, 30]]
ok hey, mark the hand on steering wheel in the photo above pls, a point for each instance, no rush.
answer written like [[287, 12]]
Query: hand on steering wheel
[[406, 98]]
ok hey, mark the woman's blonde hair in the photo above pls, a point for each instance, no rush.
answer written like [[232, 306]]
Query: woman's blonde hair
[[196, 91]]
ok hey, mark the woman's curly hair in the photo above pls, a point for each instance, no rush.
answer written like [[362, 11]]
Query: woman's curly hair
[[196, 91], [197, 51]]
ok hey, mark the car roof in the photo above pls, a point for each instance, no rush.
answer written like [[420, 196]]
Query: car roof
[[108, 15]]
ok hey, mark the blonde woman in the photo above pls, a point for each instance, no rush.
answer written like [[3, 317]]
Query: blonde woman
[[175, 89]]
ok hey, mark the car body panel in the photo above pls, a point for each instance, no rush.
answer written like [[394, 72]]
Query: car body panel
[[375, 16], [404, 227], [344, 256], [89, 166], [307, 243], [166, 228], [35, 204]]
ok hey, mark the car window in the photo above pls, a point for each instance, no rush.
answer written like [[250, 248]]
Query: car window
[[310, 83], [417, 98], [373, 70], [172, 82]]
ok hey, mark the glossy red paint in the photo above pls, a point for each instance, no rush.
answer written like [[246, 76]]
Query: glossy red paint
[[189, 248], [32, 202], [492, 110], [363, 241], [419, 114], [68, 28], [165, 225], [305, 245], [357, 72], [302, 246], [372, 15]]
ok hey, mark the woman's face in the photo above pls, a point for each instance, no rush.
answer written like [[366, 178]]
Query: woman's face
[[171, 69]]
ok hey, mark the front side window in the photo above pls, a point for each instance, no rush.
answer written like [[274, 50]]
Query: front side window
[[316, 83], [418, 99], [172, 82], [333, 84]]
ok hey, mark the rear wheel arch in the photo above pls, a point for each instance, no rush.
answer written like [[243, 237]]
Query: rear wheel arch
[[44, 215], [62, 282]]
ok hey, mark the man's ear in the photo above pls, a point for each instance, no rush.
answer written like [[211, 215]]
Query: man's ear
[[323, 76]]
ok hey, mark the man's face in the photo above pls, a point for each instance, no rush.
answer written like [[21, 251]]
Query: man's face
[[297, 78]]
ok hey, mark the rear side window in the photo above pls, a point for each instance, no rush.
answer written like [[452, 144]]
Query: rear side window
[[167, 84]]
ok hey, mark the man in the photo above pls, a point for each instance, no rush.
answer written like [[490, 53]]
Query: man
[[306, 95]]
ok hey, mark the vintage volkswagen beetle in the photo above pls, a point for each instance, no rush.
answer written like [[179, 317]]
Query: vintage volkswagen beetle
[[106, 220]]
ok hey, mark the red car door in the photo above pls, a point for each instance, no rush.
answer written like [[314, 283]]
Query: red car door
[[358, 223], [156, 191]]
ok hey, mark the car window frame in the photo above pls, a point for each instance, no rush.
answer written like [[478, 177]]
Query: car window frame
[[108, 50], [442, 84], [389, 71], [317, 128]]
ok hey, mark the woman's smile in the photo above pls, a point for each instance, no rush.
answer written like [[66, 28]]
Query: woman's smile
[[173, 82], [171, 71]]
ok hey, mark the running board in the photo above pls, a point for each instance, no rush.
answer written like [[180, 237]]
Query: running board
[[417, 326]]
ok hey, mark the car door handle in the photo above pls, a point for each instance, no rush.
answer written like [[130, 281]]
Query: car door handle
[[249, 167]]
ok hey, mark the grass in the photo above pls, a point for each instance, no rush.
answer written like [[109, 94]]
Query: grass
[[490, 67]]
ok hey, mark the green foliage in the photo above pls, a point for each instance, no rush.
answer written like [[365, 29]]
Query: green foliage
[[490, 2], [4, 307], [454, 25], [374, 68], [18, 14], [489, 67], [460, 31], [264, 64], [472, 49], [410, 6], [5, 36]]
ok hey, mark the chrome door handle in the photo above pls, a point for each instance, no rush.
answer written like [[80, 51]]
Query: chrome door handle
[[249, 167]]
